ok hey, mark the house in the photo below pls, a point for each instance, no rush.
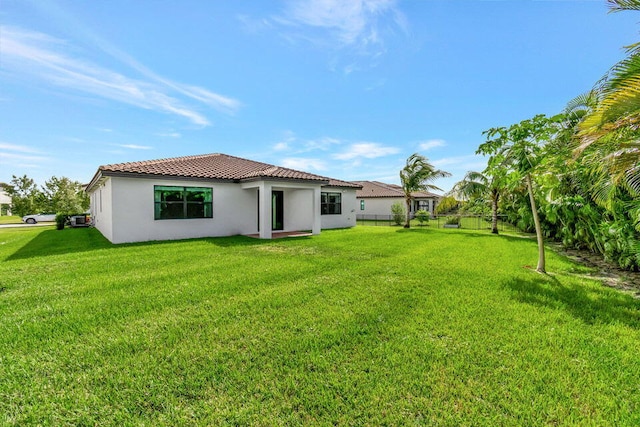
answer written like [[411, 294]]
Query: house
[[214, 195], [5, 201], [375, 200]]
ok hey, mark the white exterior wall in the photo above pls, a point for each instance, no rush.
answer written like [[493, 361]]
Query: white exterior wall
[[100, 209], [5, 200], [350, 207], [379, 206], [298, 209], [123, 209]]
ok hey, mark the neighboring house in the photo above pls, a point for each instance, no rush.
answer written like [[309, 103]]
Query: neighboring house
[[214, 195], [375, 199], [5, 201]]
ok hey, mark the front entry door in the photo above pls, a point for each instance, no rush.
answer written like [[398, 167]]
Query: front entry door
[[277, 210]]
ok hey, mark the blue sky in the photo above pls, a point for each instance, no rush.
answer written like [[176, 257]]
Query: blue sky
[[346, 89]]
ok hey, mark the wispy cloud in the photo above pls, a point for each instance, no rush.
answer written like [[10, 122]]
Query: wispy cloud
[[170, 134], [367, 150], [47, 59], [13, 153], [290, 142], [360, 25], [288, 139], [431, 144], [304, 163], [18, 148], [134, 147]]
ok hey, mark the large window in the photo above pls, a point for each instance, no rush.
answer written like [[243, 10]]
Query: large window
[[183, 202], [330, 203]]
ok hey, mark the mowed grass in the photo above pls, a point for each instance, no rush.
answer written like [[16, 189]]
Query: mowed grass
[[367, 326], [10, 219]]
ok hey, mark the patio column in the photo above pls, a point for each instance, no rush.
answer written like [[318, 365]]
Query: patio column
[[317, 218], [265, 210]]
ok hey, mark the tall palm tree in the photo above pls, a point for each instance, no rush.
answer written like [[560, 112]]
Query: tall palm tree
[[477, 185], [417, 175]]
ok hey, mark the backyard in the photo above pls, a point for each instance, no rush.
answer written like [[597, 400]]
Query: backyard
[[363, 326]]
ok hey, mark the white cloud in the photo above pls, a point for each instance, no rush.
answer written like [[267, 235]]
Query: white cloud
[[12, 157], [170, 135], [18, 148], [322, 144], [290, 142], [281, 146], [43, 58], [353, 24], [135, 147], [367, 150], [304, 164], [431, 143], [288, 139]]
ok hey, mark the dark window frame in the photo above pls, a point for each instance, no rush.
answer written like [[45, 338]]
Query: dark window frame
[[330, 206], [181, 202]]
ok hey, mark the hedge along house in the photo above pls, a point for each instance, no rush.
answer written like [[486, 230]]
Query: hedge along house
[[214, 195], [376, 198]]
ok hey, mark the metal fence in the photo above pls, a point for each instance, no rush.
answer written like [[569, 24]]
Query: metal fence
[[469, 222]]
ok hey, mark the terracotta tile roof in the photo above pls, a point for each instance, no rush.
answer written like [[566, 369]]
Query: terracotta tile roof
[[216, 167], [375, 189]]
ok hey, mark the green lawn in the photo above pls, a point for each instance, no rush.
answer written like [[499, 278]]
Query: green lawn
[[367, 326], [10, 220]]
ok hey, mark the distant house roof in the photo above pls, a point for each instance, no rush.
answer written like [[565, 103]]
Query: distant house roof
[[212, 167], [375, 189]]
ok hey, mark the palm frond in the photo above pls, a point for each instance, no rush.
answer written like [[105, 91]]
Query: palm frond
[[620, 5]]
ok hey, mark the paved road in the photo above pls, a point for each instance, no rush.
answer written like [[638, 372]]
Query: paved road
[[40, 224]]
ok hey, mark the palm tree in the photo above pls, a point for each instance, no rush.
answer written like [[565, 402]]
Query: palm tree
[[417, 175], [612, 127], [478, 185]]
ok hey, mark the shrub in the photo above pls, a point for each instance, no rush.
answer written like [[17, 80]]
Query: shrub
[[422, 216], [398, 213], [452, 220], [61, 220]]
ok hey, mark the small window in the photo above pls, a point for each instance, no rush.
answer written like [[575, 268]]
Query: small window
[[361, 205], [182, 202], [331, 203]]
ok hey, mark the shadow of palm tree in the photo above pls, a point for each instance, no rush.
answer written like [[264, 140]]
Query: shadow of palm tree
[[590, 304]]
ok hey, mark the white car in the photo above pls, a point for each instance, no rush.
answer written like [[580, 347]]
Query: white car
[[41, 217]]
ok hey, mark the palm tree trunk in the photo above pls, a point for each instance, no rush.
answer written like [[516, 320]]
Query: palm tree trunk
[[536, 220], [407, 224], [494, 211]]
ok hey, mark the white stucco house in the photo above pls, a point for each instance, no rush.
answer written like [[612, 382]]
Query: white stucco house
[[214, 195], [375, 199], [5, 201]]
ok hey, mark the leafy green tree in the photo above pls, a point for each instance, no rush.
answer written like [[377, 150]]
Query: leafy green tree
[[65, 196], [417, 175], [26, 198], [519, 149]]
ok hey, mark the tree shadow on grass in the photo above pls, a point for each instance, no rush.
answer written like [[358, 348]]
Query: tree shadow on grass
[[81, 240], [60, 242], [590, 304]]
